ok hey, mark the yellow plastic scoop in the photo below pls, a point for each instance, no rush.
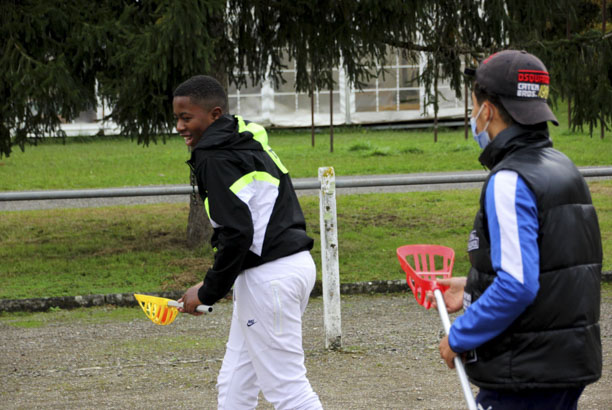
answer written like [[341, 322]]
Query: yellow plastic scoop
[[163, 311]]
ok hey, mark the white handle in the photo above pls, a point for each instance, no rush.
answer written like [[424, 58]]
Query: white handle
[[200, 308], [465, 384]]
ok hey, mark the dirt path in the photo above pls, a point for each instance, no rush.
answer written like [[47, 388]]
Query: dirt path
[[389, 360]]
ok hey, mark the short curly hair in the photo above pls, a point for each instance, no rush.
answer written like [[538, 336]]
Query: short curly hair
[[204, 91]]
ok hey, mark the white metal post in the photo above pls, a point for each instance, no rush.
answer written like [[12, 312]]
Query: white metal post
[[329, 259]]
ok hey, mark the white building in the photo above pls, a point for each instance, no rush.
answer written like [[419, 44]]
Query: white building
[[394, 97]]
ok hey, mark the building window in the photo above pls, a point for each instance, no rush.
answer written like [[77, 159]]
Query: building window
[[245, 101], [394, 90], [288, 102]]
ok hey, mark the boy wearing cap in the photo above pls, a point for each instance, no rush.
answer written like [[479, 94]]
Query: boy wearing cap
[[261, 248], [530, 331]]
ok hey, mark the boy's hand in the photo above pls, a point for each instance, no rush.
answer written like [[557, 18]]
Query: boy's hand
[[191, 300], [453, 297], [446, 353]]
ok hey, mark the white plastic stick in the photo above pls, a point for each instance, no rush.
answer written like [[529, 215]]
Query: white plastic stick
[[465, 384], [200, 308]]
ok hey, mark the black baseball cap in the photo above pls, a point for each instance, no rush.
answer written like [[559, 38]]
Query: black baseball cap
[[521, 81]]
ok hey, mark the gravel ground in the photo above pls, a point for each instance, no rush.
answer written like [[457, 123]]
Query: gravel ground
[[389, 360]]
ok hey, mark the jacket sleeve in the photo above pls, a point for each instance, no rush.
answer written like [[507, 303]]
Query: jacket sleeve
[[512, 218], [233, 225]]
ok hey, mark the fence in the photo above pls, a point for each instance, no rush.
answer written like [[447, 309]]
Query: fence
[[341, 182]]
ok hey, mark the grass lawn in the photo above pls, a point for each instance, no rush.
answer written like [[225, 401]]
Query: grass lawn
[[142, 248], [115, 162]]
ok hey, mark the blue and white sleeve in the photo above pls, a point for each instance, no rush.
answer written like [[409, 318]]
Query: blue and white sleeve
[[512, 217]]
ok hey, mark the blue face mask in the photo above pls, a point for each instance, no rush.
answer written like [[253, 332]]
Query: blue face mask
[[482, 137]]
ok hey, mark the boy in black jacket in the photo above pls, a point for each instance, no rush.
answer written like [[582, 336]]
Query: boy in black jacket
[[261, 248]]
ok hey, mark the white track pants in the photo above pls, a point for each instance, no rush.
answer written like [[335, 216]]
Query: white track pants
[[264, 349]]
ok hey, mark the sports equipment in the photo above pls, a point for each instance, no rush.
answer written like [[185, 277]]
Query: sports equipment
[[163, 311], [433, 262]]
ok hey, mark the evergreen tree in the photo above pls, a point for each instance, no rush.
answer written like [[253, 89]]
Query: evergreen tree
[[48, 66], [58, 55], [154, 46]]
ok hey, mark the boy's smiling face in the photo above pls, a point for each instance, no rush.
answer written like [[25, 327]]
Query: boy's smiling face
[[192, 119]]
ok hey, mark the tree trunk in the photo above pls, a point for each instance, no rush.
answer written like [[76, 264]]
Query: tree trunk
[[199, 229]]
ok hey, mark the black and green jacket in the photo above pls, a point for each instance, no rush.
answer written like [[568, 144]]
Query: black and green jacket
[[250, 200]]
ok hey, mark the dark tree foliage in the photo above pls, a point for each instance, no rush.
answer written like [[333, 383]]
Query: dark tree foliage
[[579, 64], [60, 54], [578, 59], [57, 56], [155, 45], [48, 65], [316, 35]]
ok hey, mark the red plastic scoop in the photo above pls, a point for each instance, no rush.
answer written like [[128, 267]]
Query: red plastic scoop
[[424, 264]]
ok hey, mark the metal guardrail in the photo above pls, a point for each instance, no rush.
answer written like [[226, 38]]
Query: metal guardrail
[[94, 193], [442, 179], [341, 182]]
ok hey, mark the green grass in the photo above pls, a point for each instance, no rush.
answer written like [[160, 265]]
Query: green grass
[[114, 162], [142, 248], [102, 250]]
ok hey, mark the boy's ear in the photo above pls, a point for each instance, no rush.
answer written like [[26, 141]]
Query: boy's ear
[[216, 112]]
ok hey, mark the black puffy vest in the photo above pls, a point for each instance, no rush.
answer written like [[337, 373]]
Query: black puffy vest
[[555, 343]]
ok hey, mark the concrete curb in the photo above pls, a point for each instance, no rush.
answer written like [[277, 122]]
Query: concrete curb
[[127, 299]]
